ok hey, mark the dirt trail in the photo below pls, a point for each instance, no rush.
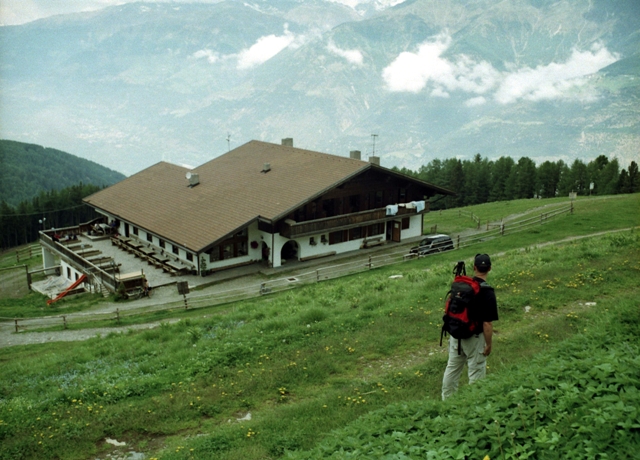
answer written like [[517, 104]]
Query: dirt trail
[[8, 336]]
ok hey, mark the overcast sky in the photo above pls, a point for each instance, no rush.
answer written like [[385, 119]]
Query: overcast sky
[[21, 11]]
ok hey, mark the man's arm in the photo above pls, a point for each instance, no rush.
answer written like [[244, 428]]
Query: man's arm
[[487, 330]]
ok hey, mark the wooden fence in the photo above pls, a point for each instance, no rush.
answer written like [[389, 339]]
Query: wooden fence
[[28, 252], [354, 265]]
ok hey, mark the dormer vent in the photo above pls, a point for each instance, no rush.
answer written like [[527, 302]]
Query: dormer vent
[[266, 167], [193, 178]]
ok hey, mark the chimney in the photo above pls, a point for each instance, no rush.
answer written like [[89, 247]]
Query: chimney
[[266, 168], [288, 141], [355, 154], [374, 160]]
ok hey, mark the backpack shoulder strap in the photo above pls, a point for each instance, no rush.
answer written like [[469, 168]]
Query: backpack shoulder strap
[[485, 285]]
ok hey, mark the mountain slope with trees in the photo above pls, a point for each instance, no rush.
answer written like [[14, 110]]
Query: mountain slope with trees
[[27, 169]]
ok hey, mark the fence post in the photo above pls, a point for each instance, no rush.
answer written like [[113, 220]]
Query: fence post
[[458, 241], [369, 264], [118, 315], [64, 321], [16, 320], [502, 229], [26, 269], [571, 206]]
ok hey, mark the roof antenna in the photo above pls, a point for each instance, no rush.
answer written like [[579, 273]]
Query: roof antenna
[[228, 141], [373, 136]]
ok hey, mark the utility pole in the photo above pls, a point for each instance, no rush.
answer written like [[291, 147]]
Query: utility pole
[[228, 141]]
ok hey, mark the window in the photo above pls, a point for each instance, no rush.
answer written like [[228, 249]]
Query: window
[[236, 246], [405, 223], [402, 195], [354, 203], [312, 241], [243, 248], [149, 237], [338, 237], [300, 215], [355, 233], [189, 257], [68, 273], [375, 229], [328, 208], [175, 249], [379, 198], [135, 231], [161, 243]]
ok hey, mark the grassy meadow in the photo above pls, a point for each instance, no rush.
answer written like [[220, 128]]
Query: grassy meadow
[[351, 368]]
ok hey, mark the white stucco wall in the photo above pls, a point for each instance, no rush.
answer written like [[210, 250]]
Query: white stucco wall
[[48, 259], [415, 227], [75, 274]]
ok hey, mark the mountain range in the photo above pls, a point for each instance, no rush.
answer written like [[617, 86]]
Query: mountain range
[[130, 85]]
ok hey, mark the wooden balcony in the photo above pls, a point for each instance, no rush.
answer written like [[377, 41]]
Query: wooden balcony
[[291, 229]]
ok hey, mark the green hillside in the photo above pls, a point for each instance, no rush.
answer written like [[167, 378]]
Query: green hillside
[[28, 169], [351, 368]]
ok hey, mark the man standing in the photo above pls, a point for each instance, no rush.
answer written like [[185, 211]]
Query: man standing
[[474, 350]]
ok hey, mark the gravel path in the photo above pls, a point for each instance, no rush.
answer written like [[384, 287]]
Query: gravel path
[[165, 295]]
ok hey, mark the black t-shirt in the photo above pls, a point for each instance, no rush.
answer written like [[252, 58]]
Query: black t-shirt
[[486, 305]]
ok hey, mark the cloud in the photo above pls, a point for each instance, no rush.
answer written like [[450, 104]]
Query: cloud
[[211, 56], [378, 4], [353, 56], [475, 101], [554, 81], [264, 49], [413, 72], [428, 69], [14, 12]]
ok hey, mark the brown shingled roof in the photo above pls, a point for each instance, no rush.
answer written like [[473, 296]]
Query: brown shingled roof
[[233, 191]]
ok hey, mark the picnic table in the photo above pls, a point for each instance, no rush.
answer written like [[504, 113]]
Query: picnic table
[[135, 244], [176, 266], [146, 250]]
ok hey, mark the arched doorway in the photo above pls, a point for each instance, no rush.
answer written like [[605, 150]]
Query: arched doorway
[[289, 251]]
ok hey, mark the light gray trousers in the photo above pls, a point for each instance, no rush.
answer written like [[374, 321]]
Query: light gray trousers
[[471, 353]]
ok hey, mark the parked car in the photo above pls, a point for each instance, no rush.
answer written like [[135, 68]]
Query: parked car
[[432, 244]]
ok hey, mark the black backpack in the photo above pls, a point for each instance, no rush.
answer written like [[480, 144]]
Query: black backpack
[[459, 302]]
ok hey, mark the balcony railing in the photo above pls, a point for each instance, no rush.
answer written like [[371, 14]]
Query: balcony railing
[[343, 222], [80, 263]]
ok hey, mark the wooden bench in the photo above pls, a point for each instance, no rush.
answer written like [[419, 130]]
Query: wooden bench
[[318, 256], [371, 242]]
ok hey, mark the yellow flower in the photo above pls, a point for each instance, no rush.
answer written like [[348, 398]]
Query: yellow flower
[[486, 457]]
